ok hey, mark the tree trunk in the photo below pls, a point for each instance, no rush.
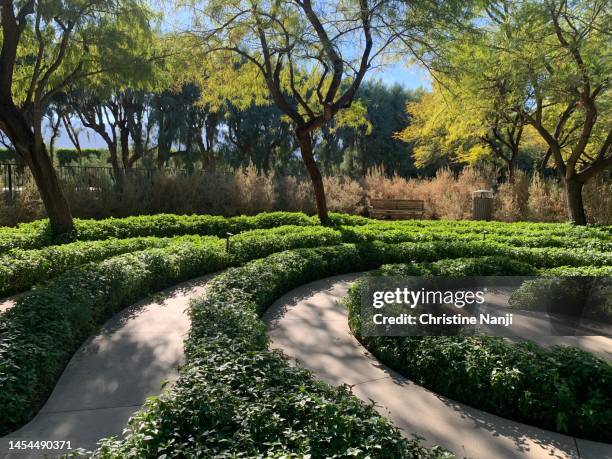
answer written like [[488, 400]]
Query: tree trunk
[[35, 156], [50, 189], [124, 139], [511, 169], [117, 170], [305, 143], [575, 204]]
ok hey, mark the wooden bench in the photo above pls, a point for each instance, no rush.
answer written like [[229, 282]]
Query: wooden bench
[[396, 209]]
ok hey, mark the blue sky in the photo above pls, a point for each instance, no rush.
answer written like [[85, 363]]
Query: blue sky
[[411, 77]]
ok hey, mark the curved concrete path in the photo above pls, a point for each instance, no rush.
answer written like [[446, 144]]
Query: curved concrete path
[[113, 373], [309, 325]]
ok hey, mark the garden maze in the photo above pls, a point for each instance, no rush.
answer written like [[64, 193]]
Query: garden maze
[[235, 397]]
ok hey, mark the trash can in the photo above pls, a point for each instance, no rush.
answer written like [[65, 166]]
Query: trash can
[[482, 205]]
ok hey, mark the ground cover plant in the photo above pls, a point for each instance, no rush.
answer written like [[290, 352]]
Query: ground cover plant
[[236, 398], [21, 269], [540, 244], [39, 233], [587, 297], [563, 389], [93, 279]]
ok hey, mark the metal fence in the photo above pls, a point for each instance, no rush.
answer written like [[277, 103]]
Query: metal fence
[[13, 177]]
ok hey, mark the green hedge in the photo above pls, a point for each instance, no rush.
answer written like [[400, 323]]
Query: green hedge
[[402, 233], [545, 257], [38, 234], [563, 389], [566, 230], [21, 269], [259, 243], [234, 398], [41, 332], [592, 296]]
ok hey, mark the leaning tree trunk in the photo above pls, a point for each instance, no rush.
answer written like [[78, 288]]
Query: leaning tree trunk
[[575, 204], [305, 143], [511, 169], [49, 189]]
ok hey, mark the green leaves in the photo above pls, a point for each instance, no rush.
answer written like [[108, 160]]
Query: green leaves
[[235, 397], [563, 389]]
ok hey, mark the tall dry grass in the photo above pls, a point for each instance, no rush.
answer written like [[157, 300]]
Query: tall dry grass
[[446, 196]]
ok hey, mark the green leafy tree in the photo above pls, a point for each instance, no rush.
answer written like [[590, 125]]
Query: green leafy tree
[[366, 139], [454, 124], [311, 58], [547, 64], [566, 69], [47, 46]]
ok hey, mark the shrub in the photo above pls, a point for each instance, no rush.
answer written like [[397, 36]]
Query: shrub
[[446, 196], [38, 234], [578, 296], [236, 398], [42, 330], [21, 269], [40, 333], [563, 389]]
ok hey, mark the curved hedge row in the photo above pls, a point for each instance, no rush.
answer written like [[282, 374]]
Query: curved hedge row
[[235, 398], [394, 233], [20, 269], [40, 333], [38, 234], [563, 389], [518, 228]]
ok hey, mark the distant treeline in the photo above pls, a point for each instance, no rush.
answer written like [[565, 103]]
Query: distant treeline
[[181, 134]]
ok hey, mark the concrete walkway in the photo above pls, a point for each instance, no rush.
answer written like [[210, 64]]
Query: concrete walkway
[[112, 374], [310, 326], [8, 302]]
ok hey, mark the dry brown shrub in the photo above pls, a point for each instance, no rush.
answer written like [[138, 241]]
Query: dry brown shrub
[[546, 201], [597, 196], [511, 201], [446, 196]]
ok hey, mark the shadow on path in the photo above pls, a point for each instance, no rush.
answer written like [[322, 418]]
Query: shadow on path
[[113, 373], [309, 325]]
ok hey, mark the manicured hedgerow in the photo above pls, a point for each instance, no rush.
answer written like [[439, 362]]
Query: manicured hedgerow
[[21, 269], [260, 243], [493, 227], [563, 389], [541, 257], [40, 333], [38, 234], [234, 398], [590, 296], [395, 233]]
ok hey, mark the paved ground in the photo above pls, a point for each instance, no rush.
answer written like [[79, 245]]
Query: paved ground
[[309, 325], [111, 375], [8, 302]]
